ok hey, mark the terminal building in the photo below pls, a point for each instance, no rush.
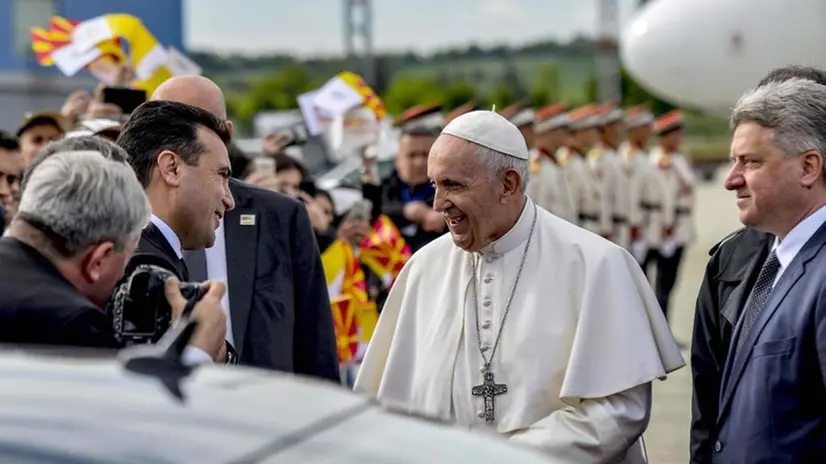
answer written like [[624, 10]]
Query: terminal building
[[27, 86]]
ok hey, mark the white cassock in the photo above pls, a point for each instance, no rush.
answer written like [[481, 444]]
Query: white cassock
[[582, 342]]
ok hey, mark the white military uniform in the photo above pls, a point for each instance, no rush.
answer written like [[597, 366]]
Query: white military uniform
[[642, 200], [605, 162], [660, 200], [679, 180], [549, 187], [585, 190], [584, 339], [685, 228]]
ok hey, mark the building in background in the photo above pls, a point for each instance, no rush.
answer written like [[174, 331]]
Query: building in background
[[27, 86]]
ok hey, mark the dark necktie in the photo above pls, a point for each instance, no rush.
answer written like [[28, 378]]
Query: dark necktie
[[197, 265], [758, 298]]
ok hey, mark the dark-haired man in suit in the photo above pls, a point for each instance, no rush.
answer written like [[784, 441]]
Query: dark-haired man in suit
[[179, 155], [265, 251]]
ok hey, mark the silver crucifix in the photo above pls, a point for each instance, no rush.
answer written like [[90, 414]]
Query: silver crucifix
[[489, 390]]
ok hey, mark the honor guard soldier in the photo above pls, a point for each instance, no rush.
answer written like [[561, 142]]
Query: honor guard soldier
[[634, 157], [680, 178], [466, 108], [605, 161], [521, 115], [407, 194], [582, 180], [548, 186]]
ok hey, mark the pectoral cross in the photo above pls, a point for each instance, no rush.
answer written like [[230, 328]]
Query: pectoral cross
[[489, 390]]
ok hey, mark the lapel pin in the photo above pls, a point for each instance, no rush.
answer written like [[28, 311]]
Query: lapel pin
[[247, 219]]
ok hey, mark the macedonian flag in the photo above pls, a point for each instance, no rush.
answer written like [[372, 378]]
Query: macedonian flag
[[384, 251], [354, 315], [59, 34]]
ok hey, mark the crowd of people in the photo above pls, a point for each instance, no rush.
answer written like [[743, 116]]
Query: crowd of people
[[542, 253]]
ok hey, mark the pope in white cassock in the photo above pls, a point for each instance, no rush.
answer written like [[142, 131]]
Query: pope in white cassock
[[518, 322]]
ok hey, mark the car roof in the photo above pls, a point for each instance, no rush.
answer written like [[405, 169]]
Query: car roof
[[62, 409]]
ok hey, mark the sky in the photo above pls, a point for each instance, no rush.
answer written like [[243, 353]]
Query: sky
[[315, 27]]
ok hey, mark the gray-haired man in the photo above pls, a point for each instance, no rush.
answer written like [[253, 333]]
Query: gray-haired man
[[79, 221]]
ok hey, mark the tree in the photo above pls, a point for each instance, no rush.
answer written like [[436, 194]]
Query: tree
[[502, 96], [279, 91], [407, 91], [635, 94], [457, 94], [546, 86]]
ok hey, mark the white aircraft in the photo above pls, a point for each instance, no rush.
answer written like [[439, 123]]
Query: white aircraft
[[705, 53]]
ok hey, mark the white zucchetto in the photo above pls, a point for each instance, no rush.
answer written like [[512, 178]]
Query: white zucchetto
[[490, 130]]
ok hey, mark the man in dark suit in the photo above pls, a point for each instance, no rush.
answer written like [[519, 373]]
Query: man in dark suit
[[730, 275], [179, 155], [279, 309], [773, 382], [79, 221]]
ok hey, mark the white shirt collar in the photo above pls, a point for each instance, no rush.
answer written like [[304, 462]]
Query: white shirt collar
[[517, 235], [797, 238], [168, 234]]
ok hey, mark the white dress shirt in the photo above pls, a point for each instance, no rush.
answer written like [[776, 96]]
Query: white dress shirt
[[789, 247], [216, 260], [192, 355]]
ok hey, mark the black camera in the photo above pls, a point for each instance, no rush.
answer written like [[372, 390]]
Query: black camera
[[138, 307]]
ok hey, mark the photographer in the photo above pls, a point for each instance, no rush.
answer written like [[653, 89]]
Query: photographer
[[79, 221]]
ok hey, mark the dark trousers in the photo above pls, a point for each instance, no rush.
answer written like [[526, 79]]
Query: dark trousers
[[667, 270], [662, 271]]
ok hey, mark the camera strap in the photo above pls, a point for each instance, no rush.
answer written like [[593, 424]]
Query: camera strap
[[190, 305]]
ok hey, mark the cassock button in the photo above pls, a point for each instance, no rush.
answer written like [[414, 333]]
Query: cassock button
[[485, 347], [486, 303], [718, 446], [480, 414], [488, 279], [489, 259], [486, 325]]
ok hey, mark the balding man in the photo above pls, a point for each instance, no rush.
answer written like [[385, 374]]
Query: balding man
[[265, 252]]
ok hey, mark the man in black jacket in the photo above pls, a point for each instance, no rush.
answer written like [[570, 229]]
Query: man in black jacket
[[266, 252], [179, 154], [730, 275], [79, 221]]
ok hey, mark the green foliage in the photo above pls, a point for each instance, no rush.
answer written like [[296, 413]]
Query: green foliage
[[279, 91], [407, 91], [546, 86], [457, 94], [544, 73]]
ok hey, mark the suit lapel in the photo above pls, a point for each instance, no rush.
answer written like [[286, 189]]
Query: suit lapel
[[787, 281], [241, 228], [154, 238]]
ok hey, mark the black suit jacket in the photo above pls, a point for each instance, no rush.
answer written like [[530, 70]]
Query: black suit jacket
[[730, 274], [39, 306], [154, 243], [279, 306]]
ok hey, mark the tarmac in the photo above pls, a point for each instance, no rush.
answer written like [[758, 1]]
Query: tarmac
[[716, 216]]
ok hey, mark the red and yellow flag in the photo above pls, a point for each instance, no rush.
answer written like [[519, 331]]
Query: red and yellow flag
[[354, 315], [59, 34], [384, 251], [45, 41]]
